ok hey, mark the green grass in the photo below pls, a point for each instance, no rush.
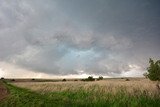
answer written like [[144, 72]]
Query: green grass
[[20, 97]]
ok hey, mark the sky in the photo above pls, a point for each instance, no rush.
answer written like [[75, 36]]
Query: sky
[[77, 38]]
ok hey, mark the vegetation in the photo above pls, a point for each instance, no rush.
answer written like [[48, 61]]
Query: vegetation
[[153, 70], [90, 78], [2, 78], [107, 86], [33, 79], [100, 78], [64, 80], [90, 97], [25, 98], [127, 79], [12, 79]]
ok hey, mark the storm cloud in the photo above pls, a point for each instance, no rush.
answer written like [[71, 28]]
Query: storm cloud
[[75, 37]]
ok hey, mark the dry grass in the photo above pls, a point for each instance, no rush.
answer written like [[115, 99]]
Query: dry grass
[[109, 92], [113, 86]]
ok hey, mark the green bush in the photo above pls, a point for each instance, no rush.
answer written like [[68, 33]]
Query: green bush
[[2, 78], [100, 78], [64, 80], [127, 79], [90, 78], [154, 70], [12, 79]]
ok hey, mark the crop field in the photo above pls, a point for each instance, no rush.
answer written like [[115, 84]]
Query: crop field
[[109, 92]]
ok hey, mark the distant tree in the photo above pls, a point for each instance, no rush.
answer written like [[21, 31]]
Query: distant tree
[[75, 80], [64, 80], [154, 70], [127, 79], [2, 78], [82, 79], [90, 78], [33, 79], [13, 80], [100, 78]]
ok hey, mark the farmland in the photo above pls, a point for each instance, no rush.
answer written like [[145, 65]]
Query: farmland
[[109, 92]]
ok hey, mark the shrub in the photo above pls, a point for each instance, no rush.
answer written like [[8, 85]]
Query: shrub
[[2, 78], [33, 79], [100, 78], [64, 80], [154, 70], [82, 79], [127, 79], [13, 80], [90, 78]]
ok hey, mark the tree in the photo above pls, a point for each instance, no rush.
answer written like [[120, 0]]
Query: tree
[[100, 78], [154, 70], [90, 78], [2, 78], [64, 80]]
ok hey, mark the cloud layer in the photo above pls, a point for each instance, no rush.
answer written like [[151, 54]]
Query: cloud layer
[[112, 38]]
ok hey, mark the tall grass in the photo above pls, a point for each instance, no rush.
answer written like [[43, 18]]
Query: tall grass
[[84, 94], [109, 86], [20, 97]]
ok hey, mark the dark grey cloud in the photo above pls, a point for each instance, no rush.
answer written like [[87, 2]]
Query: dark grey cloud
[[102, 37]]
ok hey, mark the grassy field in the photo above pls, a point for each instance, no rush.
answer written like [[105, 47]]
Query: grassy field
[[110, 93], [3, 91]]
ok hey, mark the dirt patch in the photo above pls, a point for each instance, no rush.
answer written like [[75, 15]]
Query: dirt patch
[[3, 91]]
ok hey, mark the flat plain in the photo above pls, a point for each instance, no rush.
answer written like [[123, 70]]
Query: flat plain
[[114, 92], [103, 86]]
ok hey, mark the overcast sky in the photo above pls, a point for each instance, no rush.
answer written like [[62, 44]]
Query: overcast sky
[[76, 38]]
